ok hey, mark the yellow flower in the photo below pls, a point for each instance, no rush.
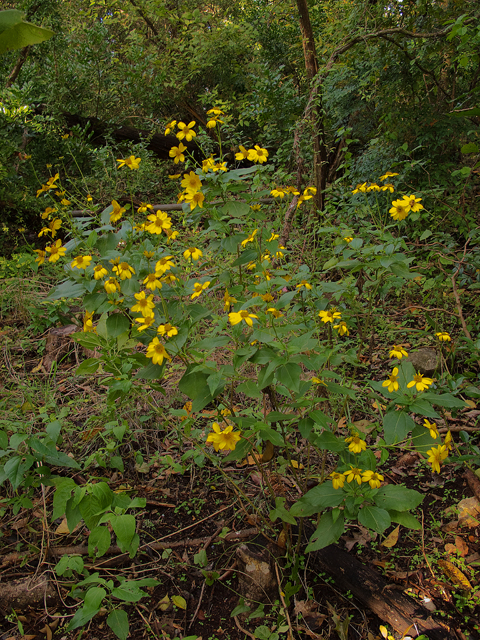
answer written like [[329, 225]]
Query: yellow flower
[[400, 209], [56, 251], [255, 207], [171, 235], [123, 270], [309, 191], [228, 300], [81, 262], [242, 154], [236, 317], [267, 297], [448, 441], [360, 187], [185, 131], [215, 111], [49, 185], [145, 322], [99, 272], [164, 264], [338, 480], [192, 253], [152, 282], [144, 206], [89, 198], [388, 187], [278, 193], [224, 440], [374, 479], [170, 279], [47, 212], [357, 445], [373, 187], [117, 211], [436, 455], [208, 164], [111, 285], [191, 182], [443, 336], [156, 351], [304, 283], [354, 474], [258, 154], [167, 330], [398, 352], [330, 316], [175, 176], [342, 328], [65, 202], [387, 174], [414, 203], [275, 312], [170, 126], [40, 256], [131, 162], [432, 427], [87, 322], [316, 380], [392, 382], [250, 238], [198, 288], [420, 382], [159, 221], [220, 166], [348, 239], [177, 153], [145, 305], [195, 199]]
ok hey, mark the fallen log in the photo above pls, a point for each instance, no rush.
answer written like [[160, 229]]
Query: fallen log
[[403, 614], [27, 592]]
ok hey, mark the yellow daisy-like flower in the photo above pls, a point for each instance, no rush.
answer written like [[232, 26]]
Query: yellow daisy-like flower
[[164, 264], [242, 154], [131, 162], [348, 239], [354, 474], [171, 235], [400, 209], [330, 316], [167, 330], [236, 317], [186, 131], [420, 382], [304, 283], [432, 427], [192, 254], [374, 479], [195, 199], [316, 380], [362, 188], [157, 352], [177, 153], [159, 221], [275, 312], [111, 285], [144, 207], [64, 202], [342, 328], [198, 288], [123, 270], [145, 305], [117, 211], [436, 455], [47, 212], [448, 441], [258, 154], [414, 203], [228, 300], [443, 336], [373, 187], [338, 479], [88, 322], [225, 439], [152, 282], [356, 444], [170, 126], [278, 193], [387, 174], [191, 182], [99, 272], [56, 251], [145, 322], [388, 187], [267, 297], [398, 352], [250, 238], [392, 382], [81, 262], [40, 256]]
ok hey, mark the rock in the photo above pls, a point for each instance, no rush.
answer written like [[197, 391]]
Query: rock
[[424, 360]]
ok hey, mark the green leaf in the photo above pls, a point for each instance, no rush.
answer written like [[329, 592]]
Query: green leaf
[[281, 512], [129, 591], [17, 34], [251, 255], [194, 385], [270, 435], [99, 542], [88, 367], [124, 528], [117, 324], [67, 289], [422, 440], [470, 147], [444, 400], [250, 389], [327, 532], [118, 622], [329, 441], [91, 606], [179, 602], [87, 340], [396, 425], [397, 497], [374, 518], [289, 375], [241, 450], [236, 209], [318, 499], [212, 343], [405, 519], [423, 407]]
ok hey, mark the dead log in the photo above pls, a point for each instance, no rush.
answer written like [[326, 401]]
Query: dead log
[[404, 614], [27, 592]]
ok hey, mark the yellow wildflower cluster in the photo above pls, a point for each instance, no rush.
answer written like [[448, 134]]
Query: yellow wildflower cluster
[[373, 478], [192, 194], [401, 208], [257, 154]]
